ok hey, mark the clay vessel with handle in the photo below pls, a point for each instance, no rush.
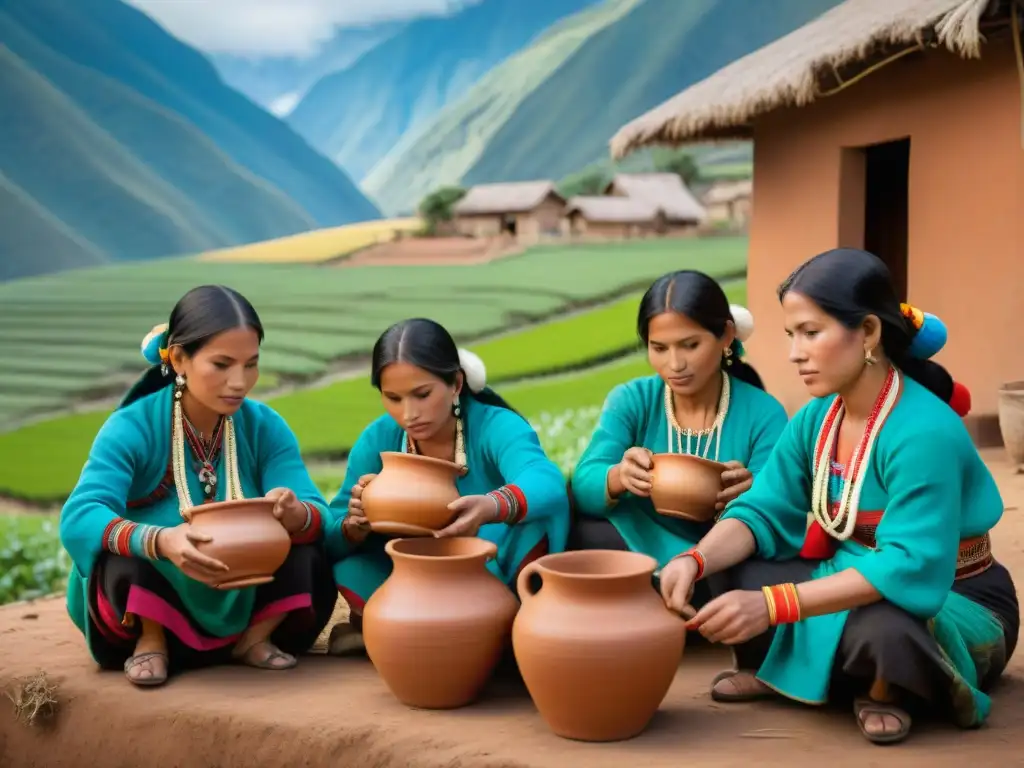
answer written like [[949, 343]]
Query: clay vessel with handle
[[686, 486], [595, 644], [247, 538], [411, 493], [436, 628]]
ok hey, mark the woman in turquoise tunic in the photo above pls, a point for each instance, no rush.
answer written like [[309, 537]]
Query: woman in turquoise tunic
[[702, 400], [140, 589], [437, 404], [892, 596]]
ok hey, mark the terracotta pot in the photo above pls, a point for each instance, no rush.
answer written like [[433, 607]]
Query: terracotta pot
[[436, 628], [596, 646], [1011, 421], [410, 492], [686, 486], [246, 537]]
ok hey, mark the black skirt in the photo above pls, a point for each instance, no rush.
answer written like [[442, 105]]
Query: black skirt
[[883, 642], [303, 588]]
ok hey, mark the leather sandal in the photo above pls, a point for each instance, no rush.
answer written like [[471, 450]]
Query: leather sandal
[[142, 658], [275, 654], [864, 705], [735, 698]]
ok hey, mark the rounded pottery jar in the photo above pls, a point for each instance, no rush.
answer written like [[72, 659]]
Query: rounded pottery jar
[[247, 538], [436, 628], [411, 490], [1011, 421], [686, 486], [595, 644]]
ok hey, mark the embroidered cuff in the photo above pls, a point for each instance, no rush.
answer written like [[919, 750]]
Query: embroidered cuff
[[311, 530], [131, 539], [511, 504]]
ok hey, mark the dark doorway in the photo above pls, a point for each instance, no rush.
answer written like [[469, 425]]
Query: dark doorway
[[886, 207], [508, 225]]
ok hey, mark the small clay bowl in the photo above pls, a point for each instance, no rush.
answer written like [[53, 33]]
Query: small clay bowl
[[247, 538], [410, 495], [686, 487]]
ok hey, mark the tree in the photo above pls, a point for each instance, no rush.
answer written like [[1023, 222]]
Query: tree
[[590, 181], [436, 207], [680, 162]]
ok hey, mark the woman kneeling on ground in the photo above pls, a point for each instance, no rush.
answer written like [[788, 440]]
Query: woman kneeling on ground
[[703, 400], [184, 435], [892, 596], [438, 405]]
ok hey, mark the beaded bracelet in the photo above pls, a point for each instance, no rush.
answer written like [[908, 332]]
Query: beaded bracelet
[[130, 539], [511, 504], [698, 558], [783, 604]]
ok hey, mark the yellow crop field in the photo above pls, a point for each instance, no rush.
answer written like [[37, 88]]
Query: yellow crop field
[[317, 246]]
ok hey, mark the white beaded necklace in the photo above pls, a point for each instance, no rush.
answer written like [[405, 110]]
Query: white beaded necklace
[[675, 432], [841, 526], [228, 452]]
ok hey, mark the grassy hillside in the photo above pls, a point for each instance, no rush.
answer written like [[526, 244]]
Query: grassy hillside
[[357, 115], [128, 145], [655, 50]]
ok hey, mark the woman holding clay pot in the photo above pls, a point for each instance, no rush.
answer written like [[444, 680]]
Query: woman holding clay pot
[[702, 400], [437, 404], [892, 597], [141, 590]]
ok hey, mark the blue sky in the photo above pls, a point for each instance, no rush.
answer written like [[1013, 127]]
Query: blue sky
[[277, 27]]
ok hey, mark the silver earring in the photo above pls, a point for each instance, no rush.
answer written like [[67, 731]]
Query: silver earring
[[456, 409], [179, 386]]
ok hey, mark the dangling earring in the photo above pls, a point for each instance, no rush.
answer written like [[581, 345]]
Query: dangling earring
[[179, 386], [163, 369], [869, 358], [456, 408], [460, 437], [727, 354]]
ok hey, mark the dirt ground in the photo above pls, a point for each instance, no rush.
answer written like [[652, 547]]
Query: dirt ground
[[337, 712], [433, 251]]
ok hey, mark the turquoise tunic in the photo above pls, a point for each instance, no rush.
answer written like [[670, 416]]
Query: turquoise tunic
[[128, 460], [634, 415], [932, 489], [501, 449]]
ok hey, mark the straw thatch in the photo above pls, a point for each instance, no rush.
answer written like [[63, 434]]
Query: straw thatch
[[665, 190], [787, 71], [729, 191], [613, 210], [513, 197]]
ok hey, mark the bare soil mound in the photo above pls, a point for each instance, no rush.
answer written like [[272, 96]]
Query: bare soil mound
[[337, 712]]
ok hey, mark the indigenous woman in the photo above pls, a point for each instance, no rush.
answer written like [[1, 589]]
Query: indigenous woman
[[437, 404], [185, 434], [892, 596], [703, 400]]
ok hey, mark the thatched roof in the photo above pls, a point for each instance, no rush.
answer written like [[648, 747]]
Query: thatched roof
[[513, 197], [728, 191], [787, 71], [665, 190], [613, 210]]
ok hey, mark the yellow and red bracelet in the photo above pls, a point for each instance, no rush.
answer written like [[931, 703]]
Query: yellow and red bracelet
[[698, 558], [783, 604]]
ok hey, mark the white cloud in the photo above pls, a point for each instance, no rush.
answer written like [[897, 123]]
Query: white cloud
[[278, 27]]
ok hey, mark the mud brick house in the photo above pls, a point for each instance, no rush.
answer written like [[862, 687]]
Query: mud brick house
[[893, 125], [526, 210], [729, 202], [681, 211], [612, 218]]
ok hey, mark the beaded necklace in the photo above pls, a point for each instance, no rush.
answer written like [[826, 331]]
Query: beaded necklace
[[675, 432], [460, 446], [841, 526], [182, 432]]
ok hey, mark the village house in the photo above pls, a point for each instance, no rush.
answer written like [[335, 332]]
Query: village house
[[612, 218], [525, 210], [682, 212], [892, 125], [729, 202]]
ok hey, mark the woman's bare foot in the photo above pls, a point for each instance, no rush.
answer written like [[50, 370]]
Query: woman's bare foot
[[345, 640], [733, 686], [148, 663]]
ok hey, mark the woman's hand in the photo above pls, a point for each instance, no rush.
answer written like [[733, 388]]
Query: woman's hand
[[288, 509], [472, 512], [733, 618], [354, 525], [677, 581], [635, 471], [177, 544], [736, 479]]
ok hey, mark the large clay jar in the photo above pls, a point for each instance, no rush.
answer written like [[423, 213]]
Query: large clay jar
[[1011, 421], [595, 644], [246, 537], [436, 628], [411, 490], [686, 486]]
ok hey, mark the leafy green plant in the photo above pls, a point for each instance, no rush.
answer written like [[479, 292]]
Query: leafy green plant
[[32, 561]]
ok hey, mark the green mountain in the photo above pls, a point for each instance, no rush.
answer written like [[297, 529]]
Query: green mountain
[[120, 142], [551, 109]]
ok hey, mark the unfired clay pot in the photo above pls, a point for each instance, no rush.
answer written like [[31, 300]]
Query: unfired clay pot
[[436, 628], [411, 494], [246, 537], [596, 646], [1011, 421], [686, 486]]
